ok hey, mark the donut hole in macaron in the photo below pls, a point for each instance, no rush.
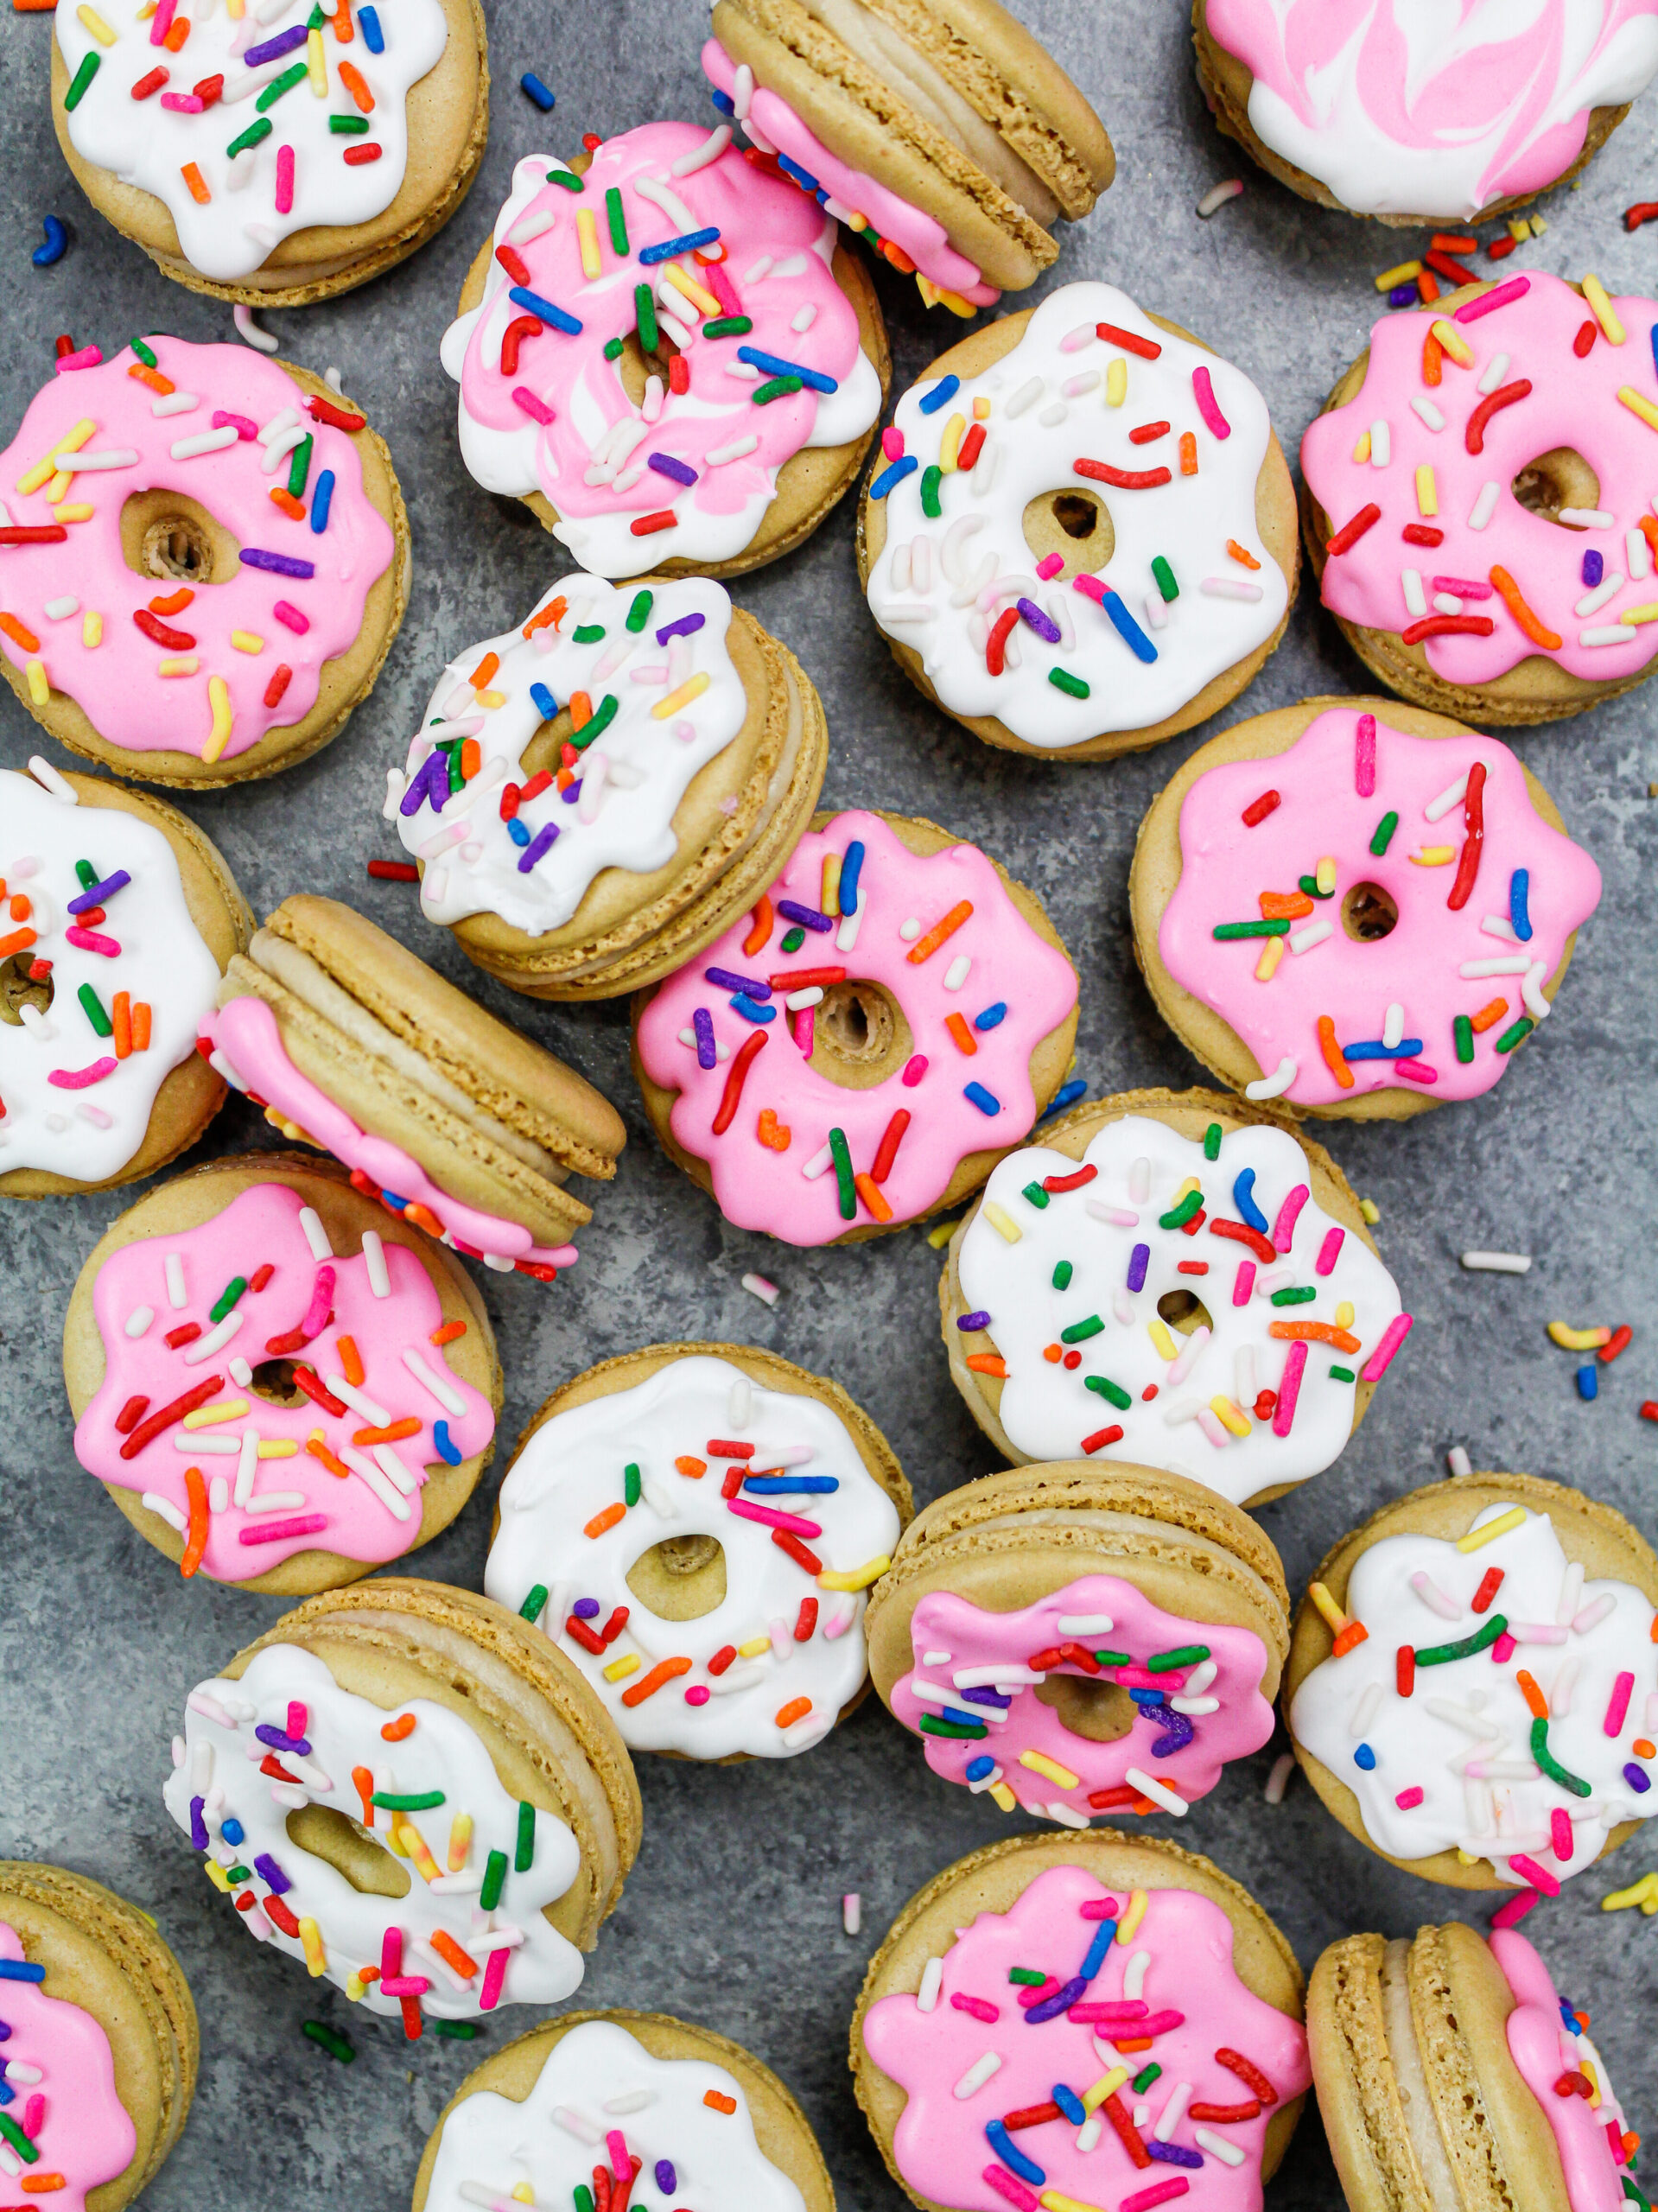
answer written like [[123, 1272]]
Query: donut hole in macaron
[[1559, 478], [19, 989], [1185, 1310], [1368, 913], [1099, 1711], [634, 365], [860, 1036], [1073, 523], [273, 1381], [172, 538], [680, 1579], [345, 1845]]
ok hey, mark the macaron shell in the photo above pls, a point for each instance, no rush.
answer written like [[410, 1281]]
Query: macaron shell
[[1366, 2121], [1608, 1546], [194, 1092]]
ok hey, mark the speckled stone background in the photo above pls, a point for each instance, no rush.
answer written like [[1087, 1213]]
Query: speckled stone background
[[733, 1914]]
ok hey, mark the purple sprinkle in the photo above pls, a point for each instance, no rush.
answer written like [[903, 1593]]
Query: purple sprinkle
[[541, 843], [5, 2032], [726, 979], [1179, 1733], [1061, 2001], [1138, 1261], [242, 424], [1593, 568], [586, 1609], [702, 1023], [1638, 1779], [665, 464], [1175, 2154], [280, 1742], [684, 627], [569, 795], [279, 564], [808, 916], [274, 48], [667, 2180], [1403, 296], [199, 1837], [266, 1867], [100, 892], [1044, 625], [422, 786], [986, 1696], [968, 1322], [289, 615]]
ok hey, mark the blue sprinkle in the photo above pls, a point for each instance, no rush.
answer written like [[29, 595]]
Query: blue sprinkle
[[7, 2093], [20, 1970], [703, 1028], [319, 502], [1044, 626], [1519, 908], [267, 1869], [1070, 2103], [668, 464], [5, 2032], [1655, 345], [686, 243], [726, 979], [776, 1485], [1569, 2019], [1593, 568], [803, 178], [534, 304], [373, 36], [273, 49], [993, 1016], [1067, 1095], [961, 1718], [1148, 1698], [390, 1198], [586, 1609], [945, 389], [977, 1769], [667, 2180], [1243, 1198], [1589, 1380], [449, 1451], [775, 365], [56, 245], [1372, 1048], [539, 92], [851, 869], [724, 102], [546, 705], [985, 1101], [893, 473], [1127, 628], [1365, 1757], [745, 1006], [517, 832], [969, 1322], [232, 1831], [1097, 1951], [1138, 1262], [1015, 2160]]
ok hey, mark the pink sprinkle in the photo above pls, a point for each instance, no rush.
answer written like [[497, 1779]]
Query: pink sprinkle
[[1561, 1835], [1364, 757], [1464, 587], [81, 1078], [161, 22], [316, 1315], [1515, 288], [1288, 1213], [1050, 565], [1614, 2136], [1539, 1876], [1137, 1678], [1143, 2199], [287, 613], [721, 287], [35, 2115], [537, 409], [284, 179], [1244, 1283], [1324, 1264], [616, 2144], [1204, 392], [1015, 2191], [1090, 587], [1517, 1909], [1099, 1909], [404, 1984], [1416, 1071], [1161, 2024], [88, 357], [1503, 1650], [892, 443], [1409, 1800], [1029, 1996], [1617, 1710], [980, 2007], [391, 1952], [274, 1532], [241, 423], [494, 1974], [805, 1026], [772, 1519], [913, 1073], [1119, 2013], [699, 1694], [296, 1719], [91, 941], [183, 103], [1289, 1388], [1395, 1335]]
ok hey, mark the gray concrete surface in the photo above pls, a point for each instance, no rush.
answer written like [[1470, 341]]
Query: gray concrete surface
[[732, 1915]]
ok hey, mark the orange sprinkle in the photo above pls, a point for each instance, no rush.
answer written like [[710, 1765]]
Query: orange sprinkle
[[174, 603], [581, 710], [393, 1433], [351, 78], [423, 1217], [395, 1731], [1333, 1060], [1644, 1749], [19, 634], [759, 935], [19, 907], [1539, 633], [447, 1334], [717, 2100], [351, 1361], [1650, 529], [472, 758], [1426, 290], [178, 31], [1433, 360], [1134, 2043], [1533, 1695], [486, 672], [362, 1781], [550, 613], [1314, 1333], [195, 1542], [1284, 905], [153, 377], [926, 946], [770, 1135], [607, 1519], [121, 1019], [648, 1685], [693, 1470], [796, 1709], [42, 2184], [318, 1450], [958, 1029], [1493, 1011], [280, 496], [19, 941], [140, 1027], [870, 1192], [1238, 553], [341, 24], [1188, 453], [448, 1949], [1354, 1634], [988, 1363], [1453, 241], [1053, 1354], [190, 173]]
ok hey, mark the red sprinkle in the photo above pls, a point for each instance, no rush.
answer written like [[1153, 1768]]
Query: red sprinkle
[[1405, 1670], [679, 373], [149, 84], [176, 641], [1101, 1437], [1445, 626], [1235, 2062], [1257, 811], [129, 1415], [1585, 338], [806, 1621], [521, 327], [355, 158], [1422, 533], [647, 525], [971, 446], [1058, 1183], [995, 659], [1618, 1342], [722, 1658], [394, 871], [1473, 844], [785, 1541], [1505, 396], [185, 1334], [1145, 348], [324, 410], [584, 1636], [1143, 434], [1350, 532], [1491, 1583], [1133, 480], [515, 267], [1499, 249], [283, 677], [892, 1137]]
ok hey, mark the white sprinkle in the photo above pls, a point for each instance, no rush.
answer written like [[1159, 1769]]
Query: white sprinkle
[[1303, 940], [1499, 926], [247, 1465], [532, 226], [1217, 196], [49, 779], [205, 1347], [112, 457], [1591, 1616], [803, 320], [1074, 340], [1639, 554], [1157, 617], [577, 2124], [1173, 2111], [742, 95], [1452, 795], [139, 1319], [1609, 586], [719, 456], [358, 1401], [276, 1501], [1230, 588], [1278, 1780], [1275, 1084], [1571, 1592], [852, 1914], [657, 191], [1585, 518], [1392, 1025], [168, 1512], [315, 1235], [1381, 444], [1085, 1624], [219, 1495], [699, 157], [447, 1395], [1415, 599], [977, 2074], [1057, 1811], [1531, 991], [248, 329], [1485, 506], [956, 973], [1429, 413], [192, 1444], [847, 936], [175, 402], [1229, 2154], [1457, 1461], [1074, 387], [395, 1503], [60, 610], [1024, 398], [634, 2101], [1612, 634], [910, 929], [1446, 602], [1497, 1263], [767, 1293], [933, 1977], [1158, 1792], [1364, 1711], [1495, 370], [374, 1252], [1508, 963], [240, 1371]]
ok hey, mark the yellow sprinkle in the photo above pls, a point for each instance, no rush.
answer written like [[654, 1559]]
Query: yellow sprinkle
[[1107, 2086], [950, 444], [1587, 2067], [628, 1664], [355, 1989], [1636, 405], [928, 291], [1004, 1796], [394, 1841], [1271, 953], [1228, 1416], [1519, 229], [1637, 1893], [1362, 450], [219, 698], [245, 642], [1427, 499], [693, 688], [856, 1577], [1538, 225], [178, 664], [32, 478], [1003, 1223], [829, 903], [523, 2194], [1432, 856], [1039, 1763], [1055, 2200], [460, 1841], [1134, 1913], [414, 1844], [1465, 1857], [75, 440], [278, 1447], [315, 63], [236, 9], [79, 511], [957, 305], [588, 231], [1605, 314], [92, 630], [939, 1236], [1370, 1210], [1391, 277], [981, 411], [95, 23], [1331, 1612], [1453, 342], [1116, 383], [316, 1959], [1571, 1339], [1635, 615], [1185, 1189], [702, 300], [1344, 1315], [1325, 875], [1512, 1519], [754, 1646], [490, 699], [58, 489], [216, 1875], [39, 689], [206, 1416], [1167, 1347]]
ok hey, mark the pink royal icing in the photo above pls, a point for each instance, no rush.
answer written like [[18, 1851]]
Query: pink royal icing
[[952, 2137], [1338, 788], [200, 676], [1446, 461], [1546, 2042], [248, 1051], [300, 1309], [979, 1669], [71, 2111], [1009, 988], [923, 237]]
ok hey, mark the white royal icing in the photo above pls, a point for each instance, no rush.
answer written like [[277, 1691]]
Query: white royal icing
[[630, 778], [1047, 1410], [92, 1131], [573, 1468], [599, 2080], [935, 586], [220, 1778], [148, 145], [1466, 1714]]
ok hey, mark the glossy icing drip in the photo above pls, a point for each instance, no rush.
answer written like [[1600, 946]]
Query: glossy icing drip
[[61, 2073]]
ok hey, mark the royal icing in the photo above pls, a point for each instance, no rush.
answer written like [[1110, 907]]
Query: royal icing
[[752, 346], [1190, 1694], [186, 1318], [467, 1935], [798, 1155], [698, 1450], [243, 1043], [129, 977], [1496, 1703], [1276, 854], [1405, 110], [58, 2077], [1549, 2042], [603, 2107], [1094, 393], [1154, 2063], [159, 665], [267, 126], [1067, 1265], [1417, 471], [653, 697]]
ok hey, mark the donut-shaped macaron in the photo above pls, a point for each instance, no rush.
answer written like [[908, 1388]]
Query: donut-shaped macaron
[[117, 920], [1090, 2018], [1473, 1684], [1081, 537], [1075, 1639], [206, 559], [278, 1386], [913, 1035], [410, 1791], [668, 358], [1416, 874], [267, 159], [1450, 2054], [570, 2110], [1174, 1281], [1422, 115], [455, 1121], [946, 136], [696, 1526], [101, 2047], [1477, 511], [596, 794]]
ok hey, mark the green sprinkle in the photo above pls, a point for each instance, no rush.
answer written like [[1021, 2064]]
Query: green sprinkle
[[1165, 576], [1295, 1297], [316, 20], [532, 1608], [1510, 1037], [455, 777], [1463, 1030], [494, 1880], [602, 716], [144, 353], [14, 2134], [273, 91], [1188, 1654], [421, 1801], [1062, 1274], [1383, 836], [1036, 1194], [1179, 1216], [618, 221], [1080, 1331], [931, 480], [775, 388], [239, 1873], [843, 1159], [933, 1728], [95, 1009], [644, 311], [1063, 680], [566, 179], [1112, 1392], [87, 874], [300, 468], [638, 613], [1212, 1141], [728, 326], [71, 100], [227, 1298], [461, 2031], [251, 137], [1029, 1976], [1440, 1655], [614, 349], [1310, 885], [332, 2042], [1550, 1765], [588, 633], [1143, 2082], [524, 1857], [348, 126], [583, 2197], [1342, 1375], [631, 1485], [793, 941], [1226, 930], [1115, 1658]]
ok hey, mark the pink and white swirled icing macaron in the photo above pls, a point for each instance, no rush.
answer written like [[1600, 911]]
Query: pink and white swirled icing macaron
[[895, 1014], [1355, 909], [668, 358], [278, 1386], [1097, 2021], [1480, 499], [1417, 114], [1076, 1639], [206, 559]]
